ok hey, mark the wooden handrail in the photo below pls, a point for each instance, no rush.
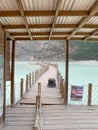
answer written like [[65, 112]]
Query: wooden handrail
[[38, 121]]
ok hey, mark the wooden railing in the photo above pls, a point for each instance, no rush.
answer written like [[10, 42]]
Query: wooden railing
[[64, 91], [31, 78], [25, 84], [38, 120]]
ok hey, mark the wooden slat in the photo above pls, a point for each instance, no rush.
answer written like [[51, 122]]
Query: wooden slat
[[19, 3], [47, 33], [59, 2], [17, 13], [10, 13], [92, 34], [92, 12], [22, 26], [55, 38], [42, 38]]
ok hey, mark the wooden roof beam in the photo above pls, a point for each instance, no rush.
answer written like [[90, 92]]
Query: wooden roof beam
[[92, 12], [19, 4], [7, 33], [40, 26], [55, 17], [90, 26], [56, 38], [16, 13], [92, 34], [46, 38], [47, 33], [41, 38]]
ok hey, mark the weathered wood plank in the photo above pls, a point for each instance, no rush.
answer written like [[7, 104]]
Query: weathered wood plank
[[55, 117]]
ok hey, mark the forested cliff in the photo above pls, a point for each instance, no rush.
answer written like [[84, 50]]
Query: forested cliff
[[55, 51]]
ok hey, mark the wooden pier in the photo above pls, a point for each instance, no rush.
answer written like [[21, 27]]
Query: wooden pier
[[54, 114]]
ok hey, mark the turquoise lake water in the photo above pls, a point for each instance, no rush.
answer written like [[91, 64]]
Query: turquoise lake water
[[79, 74], [82, 75], [21, 69]]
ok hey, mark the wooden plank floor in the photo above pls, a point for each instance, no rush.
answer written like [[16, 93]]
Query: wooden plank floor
[[22, 116], [56, 116], [49, 95], [70, 118]]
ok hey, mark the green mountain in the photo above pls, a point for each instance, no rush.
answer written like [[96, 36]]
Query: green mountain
[[55, 51], [83, 50]]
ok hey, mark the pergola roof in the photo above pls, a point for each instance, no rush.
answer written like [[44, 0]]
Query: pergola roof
[[50, 19]]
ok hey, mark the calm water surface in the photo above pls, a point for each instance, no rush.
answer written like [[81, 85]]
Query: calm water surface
[[79, 74], [82, 75]]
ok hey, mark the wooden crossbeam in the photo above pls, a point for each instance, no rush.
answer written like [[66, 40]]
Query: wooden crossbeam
[[55, 38], [41, 38], [79, 39], [46, 38], [55, 17], [47, 33], [19, 4], [7, 33], [92, 34], [92, 12], [39, 26], [21, 26], [17, 13]]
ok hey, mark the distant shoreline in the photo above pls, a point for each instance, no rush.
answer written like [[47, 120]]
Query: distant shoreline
[[89, 62]]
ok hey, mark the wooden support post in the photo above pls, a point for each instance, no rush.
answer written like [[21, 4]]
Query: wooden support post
[[66, 71], [60, 84], [30, 80], [21, 88], [58, 77], [12, 74], [27, 83], [39, 89], [65, 99], [39, 73], [35, 76], [89, 94], [4, 105], [37, 102], [63, 89]]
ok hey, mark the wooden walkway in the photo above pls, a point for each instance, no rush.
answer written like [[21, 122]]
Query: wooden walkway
[[55, 115]]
